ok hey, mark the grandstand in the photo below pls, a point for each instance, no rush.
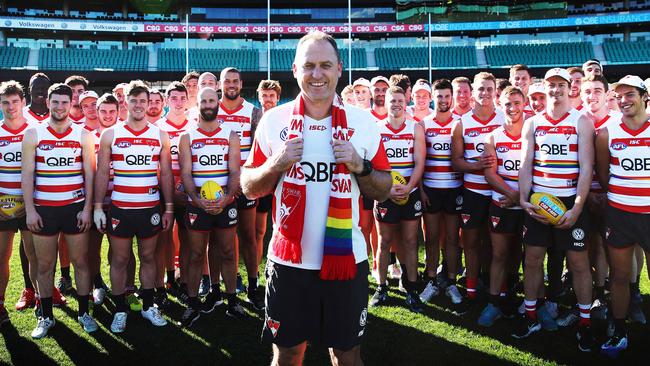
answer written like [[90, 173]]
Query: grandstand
[[282, 59], [558, 54], [11, 57], [417, 57], [210, 59], [92, 59], [618, 52]]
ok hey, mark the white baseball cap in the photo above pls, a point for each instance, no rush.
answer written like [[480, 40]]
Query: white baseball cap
[[88, 94], [536, 88], [377, 79], [558, 71], [420, 86], [361, 82], [647, 83], [592, 62], [631, 80]]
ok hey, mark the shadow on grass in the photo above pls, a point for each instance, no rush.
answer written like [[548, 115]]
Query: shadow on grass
[[23, 351]]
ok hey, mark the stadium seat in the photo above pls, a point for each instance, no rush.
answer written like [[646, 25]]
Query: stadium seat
[[626, 52], [13, 57], [173, 59], [553, 54], [282, 59], [418, 57], [136, 59]]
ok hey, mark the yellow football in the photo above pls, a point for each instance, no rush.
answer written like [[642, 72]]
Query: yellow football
[[211, 190], [399, 179], [9, 204], [549, 206]]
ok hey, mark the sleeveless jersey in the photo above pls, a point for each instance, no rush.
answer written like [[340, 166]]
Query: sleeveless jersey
[[96, 135], [508, 151], [611, 116], [378, 118], [629, 167], [399, 146], [239, 120], [59, 169], [210, 155], [11, 143], [474, 133], [555, 164], [174, 131], [80, 120], [438, 172], [135, 156], [33, 118]]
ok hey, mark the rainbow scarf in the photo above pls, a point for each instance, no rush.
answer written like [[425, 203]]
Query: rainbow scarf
[[338, 257]]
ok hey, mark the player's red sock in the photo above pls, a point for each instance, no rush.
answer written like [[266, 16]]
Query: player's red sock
[[471, 288]]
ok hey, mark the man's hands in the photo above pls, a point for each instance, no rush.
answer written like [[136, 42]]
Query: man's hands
[[99, 217], [84, 220], [289, 154], [345, 153], [531, 210]]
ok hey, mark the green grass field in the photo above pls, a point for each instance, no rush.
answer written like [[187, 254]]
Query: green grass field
[[394, 336]]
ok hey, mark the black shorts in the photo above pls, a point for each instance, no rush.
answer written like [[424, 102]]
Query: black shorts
[[367, 203], [244, 203], [57, 219], [198, 220], [264, 203], [302, 307], [389, 212], [142, 223], [506, 220], [14, 224], [537, 234], [625, 228], [448, 200], [179, 215], [475, 209]]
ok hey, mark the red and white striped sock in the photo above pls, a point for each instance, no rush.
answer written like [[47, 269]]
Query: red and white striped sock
[[471, 288], [531, 309], [585, 315]]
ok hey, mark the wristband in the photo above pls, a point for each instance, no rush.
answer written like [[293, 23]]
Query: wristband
[[169, 211], [169, 204]]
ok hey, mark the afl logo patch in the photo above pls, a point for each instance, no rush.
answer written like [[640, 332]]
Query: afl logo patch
[[155, 219], [232, 213], [619, 146], [284, 133], [123, 144], [473, 133], [198, 145], [540, 132], [45, 147], [432, 133], [385, 138], [578, 234], [4, 143], [503, 149]]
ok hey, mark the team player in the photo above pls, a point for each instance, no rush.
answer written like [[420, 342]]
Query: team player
[[623, 170], [462, 96], [467, 147], [175, 123], [242, 117], [506, 216], [422, 98], [557, 158], [208, 80], [139, 154], [537, 98], [104, 117], [362, 94], [378, 87], [398, 223], [210, 152], [441, 194], [12, 129], [576, 82], [37, 111], [118, 92], [315, 290], [155, 110], [502, 84], [521, 78], [78, 84], [268, 94], [57, 175], [191, 82], [348, 95], [592, 67]]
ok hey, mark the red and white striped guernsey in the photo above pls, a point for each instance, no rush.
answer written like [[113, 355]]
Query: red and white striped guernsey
[[59, 169], [555, 165], [629, 167], [174, 131], [135, 156], [399, 146], [210, 155], [508, 151], [33, 118], [598, 126], [96, 139], [474, 133], [528, 111], [11, 143], [239, 120], [438, 172], [78, 120], [378, 118]]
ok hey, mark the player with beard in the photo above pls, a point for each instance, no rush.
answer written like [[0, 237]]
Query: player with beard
[[210, 152], [37, 111], [155, 109], [101, 113], [422, 97], [521, 78], [576, 83], [268, 94], [191, 82], [12, 129], [361, 88], [242, 117], [139, 154], [462, 96], [379, 85], [467, 157], [57, 174], [175, 123], [537, 98], [557, 158], [623, 171], [441, 194], [118, 92], [506, 216]]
